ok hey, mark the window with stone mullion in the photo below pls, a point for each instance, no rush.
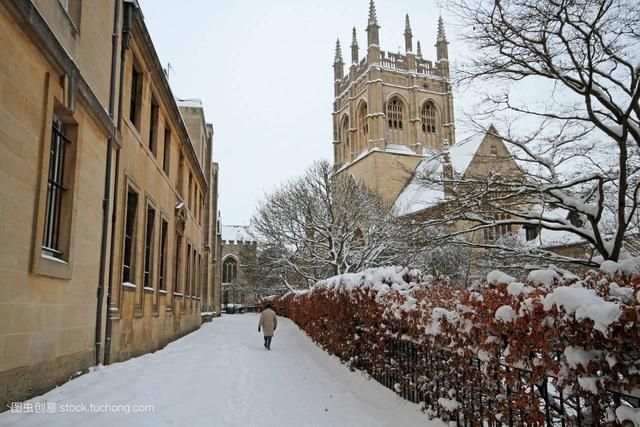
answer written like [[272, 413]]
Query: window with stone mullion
[[428, 116], [394, 114], [148, 247]]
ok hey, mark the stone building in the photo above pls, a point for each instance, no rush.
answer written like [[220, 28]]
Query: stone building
[[388, 108], [237, 245], [106, 189], [393, 121]]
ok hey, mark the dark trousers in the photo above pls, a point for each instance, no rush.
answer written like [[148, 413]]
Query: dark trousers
[[267, 341]]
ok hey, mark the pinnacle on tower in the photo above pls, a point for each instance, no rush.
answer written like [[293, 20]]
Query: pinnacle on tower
[[442, 37], [373, 20], [441, 43], [419, 49], [408, 36], [354, 47], [338, 63], [338, 57], [372, 26]]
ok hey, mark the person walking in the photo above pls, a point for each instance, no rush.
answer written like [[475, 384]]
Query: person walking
[[268, 323]]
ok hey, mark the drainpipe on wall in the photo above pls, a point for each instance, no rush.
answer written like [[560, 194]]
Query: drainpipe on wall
[[106, 202], [129, 9], [206, 305]]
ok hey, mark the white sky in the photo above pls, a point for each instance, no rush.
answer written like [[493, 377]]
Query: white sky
[[264, 72]]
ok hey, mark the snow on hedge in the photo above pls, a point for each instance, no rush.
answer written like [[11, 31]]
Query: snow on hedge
[[580, 333]]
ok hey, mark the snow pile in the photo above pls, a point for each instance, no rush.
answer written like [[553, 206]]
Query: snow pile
[[627, 266], [585, 331], [379, 279], [506, 313], [585, 304], [579, 356], [627, 413], [449, 404], [518, 288], [543, 277], [497, 276]]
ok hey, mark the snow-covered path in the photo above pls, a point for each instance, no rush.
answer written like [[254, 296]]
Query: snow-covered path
[[221, 375]]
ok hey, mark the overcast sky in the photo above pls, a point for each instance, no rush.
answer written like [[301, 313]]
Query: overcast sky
[[264, 72]]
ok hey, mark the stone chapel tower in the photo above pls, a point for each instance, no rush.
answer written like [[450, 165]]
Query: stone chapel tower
[[390, 109]]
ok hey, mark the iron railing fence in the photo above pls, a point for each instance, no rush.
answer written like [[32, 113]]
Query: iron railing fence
[[486, 395]]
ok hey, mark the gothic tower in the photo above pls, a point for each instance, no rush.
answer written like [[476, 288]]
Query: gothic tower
[[390, 109]]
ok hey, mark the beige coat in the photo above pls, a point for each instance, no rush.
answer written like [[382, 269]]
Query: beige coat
[[268, 322]]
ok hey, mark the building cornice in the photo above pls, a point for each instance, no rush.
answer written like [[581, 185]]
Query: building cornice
[[143, 38], [34, 25]]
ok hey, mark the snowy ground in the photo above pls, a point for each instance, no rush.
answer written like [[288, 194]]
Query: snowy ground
[[221, 375]]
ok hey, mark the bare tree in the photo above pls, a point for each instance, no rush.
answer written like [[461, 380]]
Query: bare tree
[[320, 225], [576, 140]]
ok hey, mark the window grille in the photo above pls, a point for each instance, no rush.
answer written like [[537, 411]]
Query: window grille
[[55, 190]]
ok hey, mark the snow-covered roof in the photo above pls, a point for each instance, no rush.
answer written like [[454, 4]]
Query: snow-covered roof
[[419, 194], [237, 233], [463, 152], [399, 149], [191, 103], [390, 148]]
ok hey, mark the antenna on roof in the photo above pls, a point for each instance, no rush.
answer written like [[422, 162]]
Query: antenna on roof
[[169, 68]]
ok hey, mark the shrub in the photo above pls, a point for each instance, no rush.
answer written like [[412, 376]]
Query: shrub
[[552, 346]]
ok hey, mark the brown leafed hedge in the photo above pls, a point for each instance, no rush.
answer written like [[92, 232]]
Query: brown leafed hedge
[[548, 348]]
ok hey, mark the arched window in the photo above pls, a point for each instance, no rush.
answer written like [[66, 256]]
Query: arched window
[[394, 113], [428, 116], [363, 127], [494, 150], [344, 139], [229, 270]]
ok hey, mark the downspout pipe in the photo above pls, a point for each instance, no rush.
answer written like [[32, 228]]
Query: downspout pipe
[[106, 201], [129, 9]]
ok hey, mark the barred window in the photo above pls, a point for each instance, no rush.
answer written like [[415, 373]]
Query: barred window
[[166, 150], [162, 271], [153, 125], [176, 264], [194, 271], [187, 274], [148, 247], [128, 258], [135, 95], [394, 113], [56, 190], [180, 177], [428, 116]]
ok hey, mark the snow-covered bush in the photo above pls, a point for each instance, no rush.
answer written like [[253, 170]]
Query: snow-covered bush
[[504, 348]]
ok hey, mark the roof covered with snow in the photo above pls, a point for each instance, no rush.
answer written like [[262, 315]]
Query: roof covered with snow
[[390, 148], [190, 103], [420, 194], [236, 233], [463, 152]]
